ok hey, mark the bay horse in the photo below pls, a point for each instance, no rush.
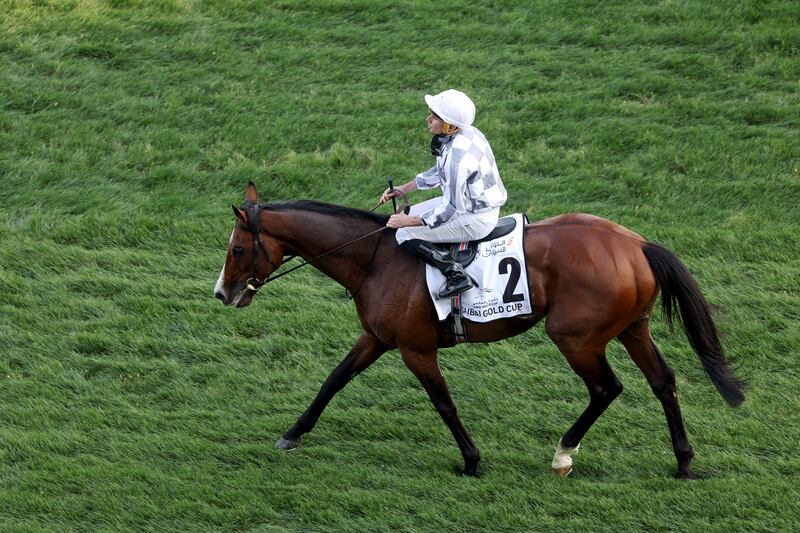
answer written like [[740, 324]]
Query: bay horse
[[592, 279]]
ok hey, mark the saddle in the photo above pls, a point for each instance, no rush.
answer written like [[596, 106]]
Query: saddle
[[466, 254]]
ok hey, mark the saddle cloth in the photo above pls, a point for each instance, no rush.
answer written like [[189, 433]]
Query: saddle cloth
[[500, 278]]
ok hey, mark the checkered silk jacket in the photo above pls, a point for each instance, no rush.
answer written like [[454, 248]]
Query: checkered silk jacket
[[468, 175]]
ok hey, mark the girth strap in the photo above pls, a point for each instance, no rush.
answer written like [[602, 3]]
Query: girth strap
[[457, 328]]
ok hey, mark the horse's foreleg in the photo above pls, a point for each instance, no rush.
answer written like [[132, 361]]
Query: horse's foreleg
[[589, 362], [365, 352], [426, 368], [661, 378]]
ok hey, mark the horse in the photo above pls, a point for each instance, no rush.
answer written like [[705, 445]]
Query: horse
[[592, 279]]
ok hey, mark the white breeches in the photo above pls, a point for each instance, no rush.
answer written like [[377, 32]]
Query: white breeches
[[460, 228]]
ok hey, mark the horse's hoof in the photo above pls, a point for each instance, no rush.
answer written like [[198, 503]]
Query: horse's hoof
[[471, 467], [471, 472], [287, 445], [564, 471], [686, 476]]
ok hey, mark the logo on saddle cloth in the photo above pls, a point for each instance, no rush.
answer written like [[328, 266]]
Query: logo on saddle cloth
[[496, 265]]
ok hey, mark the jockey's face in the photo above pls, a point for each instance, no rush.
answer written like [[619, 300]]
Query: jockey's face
[[435, 124]]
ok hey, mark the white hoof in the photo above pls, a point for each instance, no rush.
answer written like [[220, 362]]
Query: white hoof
[[563, 472], [562, 460]]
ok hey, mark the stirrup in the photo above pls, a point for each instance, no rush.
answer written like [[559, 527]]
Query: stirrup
[[461, 285]]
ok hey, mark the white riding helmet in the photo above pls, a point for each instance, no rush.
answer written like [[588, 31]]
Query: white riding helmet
[[454, 107]]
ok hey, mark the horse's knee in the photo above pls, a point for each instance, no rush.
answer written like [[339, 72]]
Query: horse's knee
[[605, 393]]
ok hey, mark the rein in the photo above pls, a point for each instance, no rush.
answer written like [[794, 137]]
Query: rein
[[255, 229]]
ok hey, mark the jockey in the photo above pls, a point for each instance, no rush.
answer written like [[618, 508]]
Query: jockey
[[472, 191]]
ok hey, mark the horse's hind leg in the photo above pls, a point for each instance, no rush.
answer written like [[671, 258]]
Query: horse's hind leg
[[426, 368], [587, 358], [645, 354], [365, 352]]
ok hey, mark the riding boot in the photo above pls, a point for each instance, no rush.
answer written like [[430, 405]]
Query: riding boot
[[457, 280]]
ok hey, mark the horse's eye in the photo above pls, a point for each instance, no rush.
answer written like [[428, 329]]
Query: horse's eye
[[237, 251]]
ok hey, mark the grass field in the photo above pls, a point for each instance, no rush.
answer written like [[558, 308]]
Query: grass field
[[130, 399]]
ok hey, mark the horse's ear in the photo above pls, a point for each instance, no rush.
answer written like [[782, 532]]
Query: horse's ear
[[251, 195], [241, 215]]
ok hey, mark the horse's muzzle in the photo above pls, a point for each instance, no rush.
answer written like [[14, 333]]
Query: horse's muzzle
[[241, 296]]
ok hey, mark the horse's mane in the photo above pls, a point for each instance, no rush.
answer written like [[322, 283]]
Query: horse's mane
[[328, 209]]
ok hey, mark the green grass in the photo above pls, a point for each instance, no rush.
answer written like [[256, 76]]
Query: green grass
[[130, 399]]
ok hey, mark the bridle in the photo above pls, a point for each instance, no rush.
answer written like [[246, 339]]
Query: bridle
[[254, 284], [253, 211]]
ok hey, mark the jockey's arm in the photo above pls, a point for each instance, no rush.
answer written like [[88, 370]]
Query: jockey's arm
[[405, 188], [402, 221]]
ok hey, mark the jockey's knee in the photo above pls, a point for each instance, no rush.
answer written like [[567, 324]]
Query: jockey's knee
[[403, 235]]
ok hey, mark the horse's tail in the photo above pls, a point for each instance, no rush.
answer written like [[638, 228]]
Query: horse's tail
[[679, 290]]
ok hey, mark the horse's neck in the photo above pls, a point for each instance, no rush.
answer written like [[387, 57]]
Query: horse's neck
[[311, 235]]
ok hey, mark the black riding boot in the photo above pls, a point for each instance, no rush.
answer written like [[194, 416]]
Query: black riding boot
[[457, 279]]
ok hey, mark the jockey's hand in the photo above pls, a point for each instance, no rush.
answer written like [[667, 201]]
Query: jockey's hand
[[402, 221], [388, 194]]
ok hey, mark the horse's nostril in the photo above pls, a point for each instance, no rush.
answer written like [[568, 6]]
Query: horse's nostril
[[220, 296]]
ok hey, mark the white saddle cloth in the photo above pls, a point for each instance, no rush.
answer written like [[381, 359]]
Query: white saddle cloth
[[500, 277]]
